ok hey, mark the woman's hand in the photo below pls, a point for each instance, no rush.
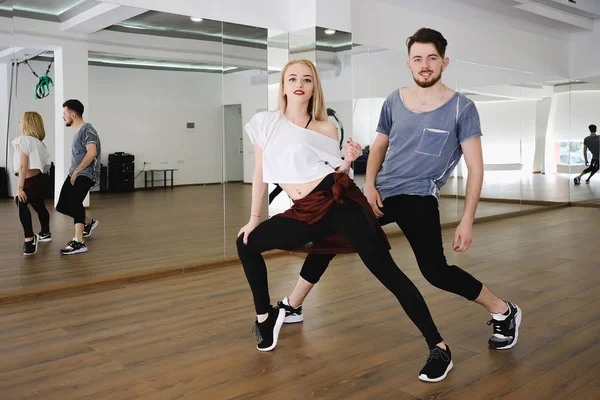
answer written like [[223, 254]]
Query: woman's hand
[[353, 151], [248, 228], [21, 196]]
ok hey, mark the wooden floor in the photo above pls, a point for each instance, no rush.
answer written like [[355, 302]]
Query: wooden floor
[[190, 335], [531, 187], [148, 231]]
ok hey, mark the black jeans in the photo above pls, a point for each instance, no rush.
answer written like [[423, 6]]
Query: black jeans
[[419, 219], [34, 189], [71, 198], [350, 220]]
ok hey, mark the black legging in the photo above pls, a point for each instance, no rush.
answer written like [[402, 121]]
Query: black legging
[[34, 189], [25, 216], [419, 219], [71, 198], [593, 168], [351, 220]]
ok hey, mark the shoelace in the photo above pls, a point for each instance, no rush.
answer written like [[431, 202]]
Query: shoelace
[[500, 328], [438, 354]]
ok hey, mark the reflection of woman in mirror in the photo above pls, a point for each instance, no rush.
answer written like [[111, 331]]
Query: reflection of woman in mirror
[[297, 147], [32, 162]]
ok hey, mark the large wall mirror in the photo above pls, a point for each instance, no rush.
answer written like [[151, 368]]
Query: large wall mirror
[[169, 96]]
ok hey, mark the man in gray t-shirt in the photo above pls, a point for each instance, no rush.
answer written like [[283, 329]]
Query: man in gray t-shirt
[[591, 143], [422, 133], [84, 174]]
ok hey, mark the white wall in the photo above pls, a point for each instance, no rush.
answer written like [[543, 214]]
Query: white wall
[[238, 89], [25, 100], [144, 112], [508, 131], [584, 57], [474, 34]]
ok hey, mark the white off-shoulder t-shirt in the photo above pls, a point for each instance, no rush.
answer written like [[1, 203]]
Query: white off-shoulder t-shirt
[[39, 157], [292, 154]]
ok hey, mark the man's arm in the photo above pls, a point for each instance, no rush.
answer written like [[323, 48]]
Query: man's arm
[[463, 236], [90, 155], [376, 157], [474, 159], [585, 150]]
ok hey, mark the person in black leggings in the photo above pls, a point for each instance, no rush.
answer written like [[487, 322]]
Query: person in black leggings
[[32, 160], [322, 208]]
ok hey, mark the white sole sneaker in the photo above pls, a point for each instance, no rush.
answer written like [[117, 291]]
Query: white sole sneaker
[[293, 319], [94, 226], [46, 240], [425, 378], [79, 251], [37, 242], [276, 329], [517, 324]]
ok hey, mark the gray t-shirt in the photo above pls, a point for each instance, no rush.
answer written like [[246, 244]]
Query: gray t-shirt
[[84, 136], [593, 145], [424, 147]]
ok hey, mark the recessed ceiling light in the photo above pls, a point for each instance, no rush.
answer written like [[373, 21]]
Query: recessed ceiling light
[[329, 31], [196, 19]]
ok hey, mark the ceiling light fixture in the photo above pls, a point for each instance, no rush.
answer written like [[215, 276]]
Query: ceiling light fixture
[[329, 31], [196, 19]]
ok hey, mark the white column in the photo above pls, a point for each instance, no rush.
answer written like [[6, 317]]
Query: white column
[[71, 82], [4, 89]]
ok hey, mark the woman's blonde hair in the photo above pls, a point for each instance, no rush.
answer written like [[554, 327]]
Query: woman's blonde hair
[[316, 104], [33, 125]]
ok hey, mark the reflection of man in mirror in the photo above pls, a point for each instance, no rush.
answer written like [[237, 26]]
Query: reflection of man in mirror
[[591, 143], [83, 175], [426, 128]]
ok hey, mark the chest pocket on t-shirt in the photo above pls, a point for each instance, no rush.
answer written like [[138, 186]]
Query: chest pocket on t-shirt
[[432, 142]]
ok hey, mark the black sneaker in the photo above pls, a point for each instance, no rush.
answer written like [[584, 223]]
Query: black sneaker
[[74, 247], [89, 228], [45, 237], [587, 181], [292, 315], [267, 331], [437, 366], [506, 328], [577, 180], [30, 248]]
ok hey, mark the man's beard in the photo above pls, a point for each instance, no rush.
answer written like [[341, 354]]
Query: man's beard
[[68, 124], [429, 83]]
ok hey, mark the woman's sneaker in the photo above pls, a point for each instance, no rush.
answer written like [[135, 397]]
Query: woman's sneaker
[[30, 248], [267, 331], [89, 228], [506, 328], [45, 237], [74, 247], [292, 315], [437, 365]]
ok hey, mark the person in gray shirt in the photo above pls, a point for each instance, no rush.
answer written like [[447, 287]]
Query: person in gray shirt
[[591, 143], [84, 174], [423, 132]]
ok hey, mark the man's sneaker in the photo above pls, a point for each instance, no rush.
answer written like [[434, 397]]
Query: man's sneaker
[[292, 315], [267, 331], [89, 228], [577, 180], [45, 237], [437, 366], [30, 248], [506, 328], [74, 247], [587, 181]]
